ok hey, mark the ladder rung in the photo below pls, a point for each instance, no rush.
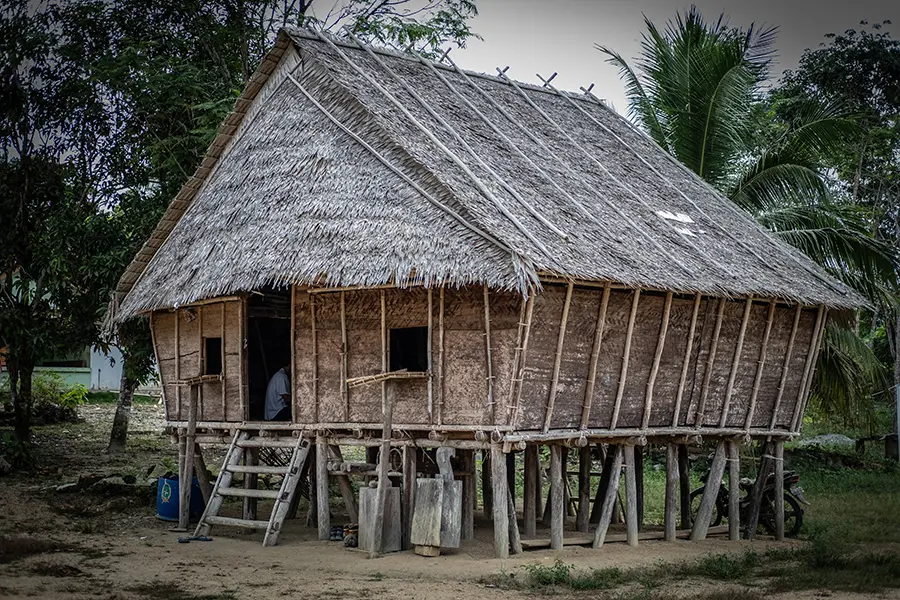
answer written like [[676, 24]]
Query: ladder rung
[[267, 443], [248, 493], [260, 469], [232, 522]]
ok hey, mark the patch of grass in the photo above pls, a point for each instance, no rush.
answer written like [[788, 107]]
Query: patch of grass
[[377, 576], [113, 397], [728, 567], [597, 579], [556, 574]]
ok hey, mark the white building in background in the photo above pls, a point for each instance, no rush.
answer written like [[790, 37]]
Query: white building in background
[[106, 371]]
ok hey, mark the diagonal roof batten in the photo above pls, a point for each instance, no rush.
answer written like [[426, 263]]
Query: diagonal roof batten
[[459, 163], [462, 141]]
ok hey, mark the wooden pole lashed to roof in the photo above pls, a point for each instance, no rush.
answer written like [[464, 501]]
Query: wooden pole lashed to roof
[[394, 169], [487, 356], [623, 376], [761, 365], [710, 363], [654, 369], [809, 368], [595, 357], [441, 146], [557, 361], [519, 379], [685, 366], [786, 366], [735, 363]]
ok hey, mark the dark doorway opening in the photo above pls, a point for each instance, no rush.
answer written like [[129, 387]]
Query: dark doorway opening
[[409, 349], [212, 356], [268, 344]]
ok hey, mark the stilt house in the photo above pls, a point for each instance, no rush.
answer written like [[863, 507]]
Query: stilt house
[[513, 265]]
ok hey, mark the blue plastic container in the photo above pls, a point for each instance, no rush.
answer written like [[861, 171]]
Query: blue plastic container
[[167, 499]]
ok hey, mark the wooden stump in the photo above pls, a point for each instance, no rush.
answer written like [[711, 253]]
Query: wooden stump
[[671, 492], [710, 493], [500, 510], [631, 505], [557, 497], [530, 494]]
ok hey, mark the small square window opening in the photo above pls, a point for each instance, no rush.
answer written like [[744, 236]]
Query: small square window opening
[[409, 349], [213, 355]]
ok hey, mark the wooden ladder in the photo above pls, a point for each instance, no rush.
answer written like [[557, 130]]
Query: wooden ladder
[[282, 497]]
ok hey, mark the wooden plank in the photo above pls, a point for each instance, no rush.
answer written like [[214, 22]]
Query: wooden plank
[[487, 489], [734, 491], [425, 529], [501, 515], [451, 514], [736, 361], [557, 501], [654, 369], [595, 356], [631, 511], [232, 457], [298, 464], [685, 365], [708, 501], [390, 534], [671, 508], [587, 540], [609, 498], [409, 494], [202, 474], [623, 375], [756, 492], [557, 360]]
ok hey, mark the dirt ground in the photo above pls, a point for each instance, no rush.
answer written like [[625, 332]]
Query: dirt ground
[[83, 546]]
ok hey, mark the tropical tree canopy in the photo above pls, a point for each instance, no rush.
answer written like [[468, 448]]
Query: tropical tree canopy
[[697, 90]]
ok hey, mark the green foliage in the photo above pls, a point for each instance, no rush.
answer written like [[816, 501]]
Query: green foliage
[[75, 396], [728, 567], [17, 452], [555, 574]]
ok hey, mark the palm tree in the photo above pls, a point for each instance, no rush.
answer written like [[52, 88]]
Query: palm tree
[[698, 91]]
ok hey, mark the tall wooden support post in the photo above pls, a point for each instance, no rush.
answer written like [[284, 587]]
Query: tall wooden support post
[[639, 479], [756, 492], [500, 510], [538, 484], [584, 488], [631, 506], [515, 540], [711, 492], [384, 460], [529, 495], [345, 486], [202, 474], [612, 472], [468, 500], [312, 512], [409, 494], [323, 511], [511, 475], [251, 482], [557, 497], [186, 449], [487, 490], [779, 491], [734, 491], [372, 459], [607, 458], [671, 492], [684, 486]]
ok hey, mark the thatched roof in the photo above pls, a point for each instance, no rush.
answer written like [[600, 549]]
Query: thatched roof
[[347, 165]]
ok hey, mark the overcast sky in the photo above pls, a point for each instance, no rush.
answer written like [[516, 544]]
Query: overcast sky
[[543, 36]]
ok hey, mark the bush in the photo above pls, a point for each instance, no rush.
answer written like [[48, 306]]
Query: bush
[[557, 574], [53, 401]]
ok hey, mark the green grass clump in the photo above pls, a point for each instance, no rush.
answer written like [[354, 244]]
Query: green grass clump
[[597, 579], [556, 574], [113, 397], [728, 567]]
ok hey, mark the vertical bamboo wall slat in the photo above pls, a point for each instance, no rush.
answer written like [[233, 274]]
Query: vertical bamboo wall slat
[[784, 369]]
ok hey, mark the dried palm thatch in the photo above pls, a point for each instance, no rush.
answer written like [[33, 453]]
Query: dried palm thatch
[[347, 165]]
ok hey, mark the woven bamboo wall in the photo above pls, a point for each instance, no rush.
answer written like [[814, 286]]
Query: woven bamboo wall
[[178, 337]]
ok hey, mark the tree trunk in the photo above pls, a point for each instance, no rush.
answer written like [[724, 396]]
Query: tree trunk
[[119, 433], [21, 373]]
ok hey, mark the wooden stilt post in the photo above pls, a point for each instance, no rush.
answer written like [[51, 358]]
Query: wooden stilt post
[[584, 488], [529, 520], [345, 486], [734, 490], [557, 507], [671, 491], [567, 491], [639, 479], [511, 474], [610, 495], [384, 460], [409, 494], [684, 486], [631, 506], [323, 511], [500, 508], [186, 448], [372, 459], [202, 474], [779, 491], [468, 502], [312, 512], [251, 482], [487, 488], [756, 492], [708, 502], [603, 484], [538, 485], [515, 539]]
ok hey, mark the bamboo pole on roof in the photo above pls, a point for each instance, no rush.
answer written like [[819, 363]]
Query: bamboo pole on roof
[[810, 367], [623, 375], [440, 407], [785, 366], [761, 365], [557, 361], [394, 169], [345, 389], [710, 362], [654, 369], [487, 356], [428, 353], [735, 363], [595, 357], [315, 357], [520, 375], [482, 188]]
